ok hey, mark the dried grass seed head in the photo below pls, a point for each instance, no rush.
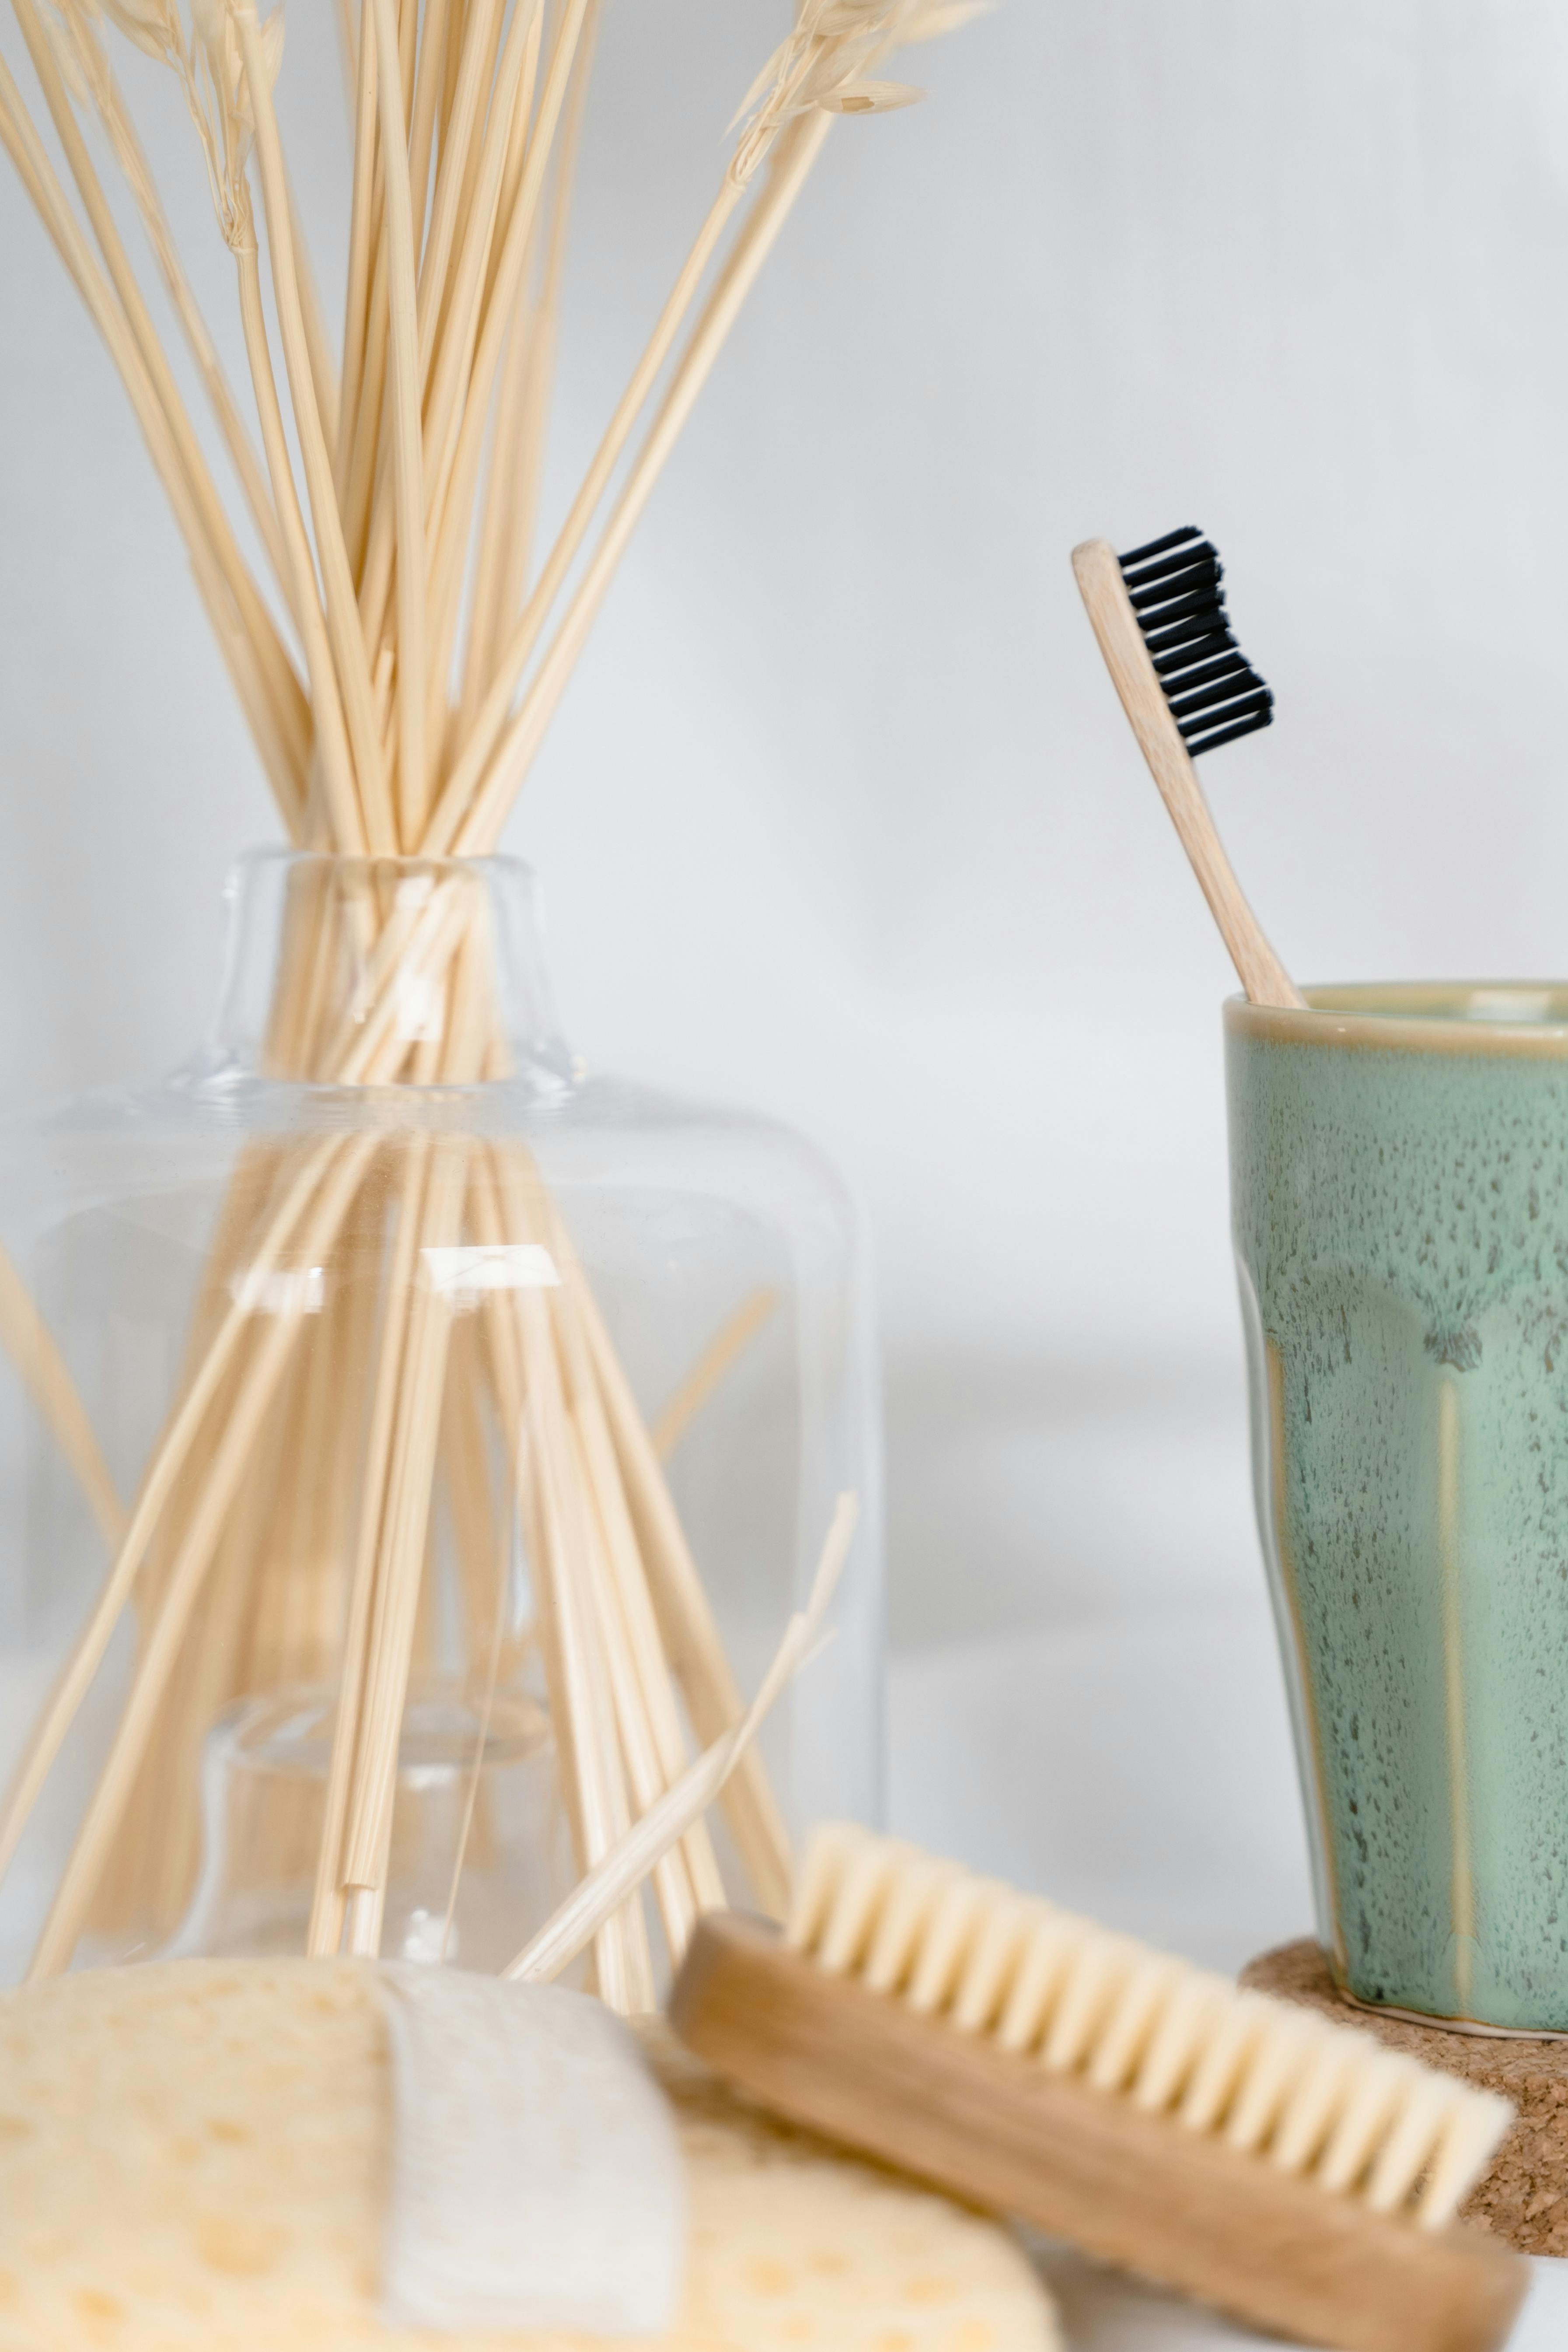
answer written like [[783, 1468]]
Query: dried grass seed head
[[207, 61], [151, 25], [218, 94], [824, 64]]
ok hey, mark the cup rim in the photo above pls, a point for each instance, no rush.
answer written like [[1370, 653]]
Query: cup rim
[[1513, 1018]]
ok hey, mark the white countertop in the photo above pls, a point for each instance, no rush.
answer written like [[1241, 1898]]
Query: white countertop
[[1137, 1768]]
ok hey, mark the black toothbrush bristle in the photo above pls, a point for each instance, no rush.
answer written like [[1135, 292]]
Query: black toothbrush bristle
[[1216, 695]]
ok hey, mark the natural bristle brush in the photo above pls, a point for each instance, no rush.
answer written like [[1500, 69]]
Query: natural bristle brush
[[1252, 2153], [1186, 688]]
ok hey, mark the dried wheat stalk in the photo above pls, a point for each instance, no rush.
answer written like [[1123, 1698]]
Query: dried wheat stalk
[[397, 666]]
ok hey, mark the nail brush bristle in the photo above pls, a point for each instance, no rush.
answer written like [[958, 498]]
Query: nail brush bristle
[[1323, 2101]]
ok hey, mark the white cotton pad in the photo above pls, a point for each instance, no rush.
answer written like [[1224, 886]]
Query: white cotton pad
[[198, 2156], [523, 2116]]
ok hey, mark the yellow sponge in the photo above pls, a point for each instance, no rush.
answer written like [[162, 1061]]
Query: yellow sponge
[[195, 2158]]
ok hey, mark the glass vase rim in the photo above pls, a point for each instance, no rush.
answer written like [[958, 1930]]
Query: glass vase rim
[[260, 887], [1519, 1020]]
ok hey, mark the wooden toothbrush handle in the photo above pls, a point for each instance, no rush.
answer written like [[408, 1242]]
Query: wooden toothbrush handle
[[1127, 658]]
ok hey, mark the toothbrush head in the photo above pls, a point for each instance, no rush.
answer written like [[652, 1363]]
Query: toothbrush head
[[1174, 585]]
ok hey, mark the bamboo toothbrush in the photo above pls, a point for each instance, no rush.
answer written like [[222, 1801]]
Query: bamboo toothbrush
[[1252, 2153], [1186, 688]]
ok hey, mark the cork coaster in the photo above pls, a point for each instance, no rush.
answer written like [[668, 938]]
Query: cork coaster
[[1524, 2198]]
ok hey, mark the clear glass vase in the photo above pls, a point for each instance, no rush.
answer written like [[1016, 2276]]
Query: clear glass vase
[[413, 1447]]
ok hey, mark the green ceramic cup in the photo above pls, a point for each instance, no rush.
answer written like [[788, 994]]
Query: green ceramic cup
[[1399, 1189]]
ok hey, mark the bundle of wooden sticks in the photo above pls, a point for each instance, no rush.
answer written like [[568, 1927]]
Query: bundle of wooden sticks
[[397, 661]]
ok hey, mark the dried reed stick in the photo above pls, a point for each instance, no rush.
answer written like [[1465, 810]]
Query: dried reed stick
[[407, 463], [362, 248], [336, 772], [229, 1461], [507, 523], [28, 1343], [379, 833], [560, 1940], [691, 1637], [323, 365], [727, 1343], [478, 829], [330, 1904]]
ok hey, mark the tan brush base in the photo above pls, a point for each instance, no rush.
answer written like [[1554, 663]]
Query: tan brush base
[[1081, 2163], [1523, 2200]]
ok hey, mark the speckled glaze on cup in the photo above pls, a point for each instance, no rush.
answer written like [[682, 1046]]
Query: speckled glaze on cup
[[1399, 1189]]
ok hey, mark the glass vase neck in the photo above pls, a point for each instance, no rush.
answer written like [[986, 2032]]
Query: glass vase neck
[[385, 971]]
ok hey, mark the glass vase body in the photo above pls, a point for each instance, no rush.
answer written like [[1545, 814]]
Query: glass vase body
[[435, 1378]]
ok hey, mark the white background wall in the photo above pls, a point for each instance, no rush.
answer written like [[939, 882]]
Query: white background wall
[[840, 817]]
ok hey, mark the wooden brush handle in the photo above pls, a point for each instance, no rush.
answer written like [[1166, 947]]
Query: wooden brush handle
[[1132, 673], [1082, 2164]]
